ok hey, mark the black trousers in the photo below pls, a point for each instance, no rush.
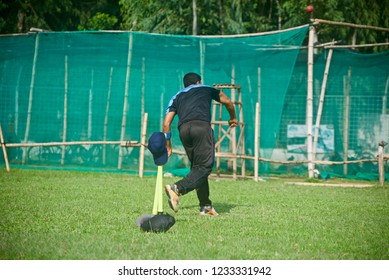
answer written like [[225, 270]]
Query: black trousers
[[197, 137]]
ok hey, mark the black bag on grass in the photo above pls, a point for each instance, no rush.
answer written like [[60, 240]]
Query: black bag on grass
[[158, 223]]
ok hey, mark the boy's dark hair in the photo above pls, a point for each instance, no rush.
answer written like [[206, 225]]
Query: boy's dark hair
[[191, 79]]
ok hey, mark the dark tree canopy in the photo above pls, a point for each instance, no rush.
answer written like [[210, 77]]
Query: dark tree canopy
[[207, 17]]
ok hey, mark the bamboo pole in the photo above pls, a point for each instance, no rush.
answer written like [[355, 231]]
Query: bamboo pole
[[236, 143], [225, 135], [233, 131], [350, 25], [179, 152], [248, 157], [346, 110], [259, 84], [321, 103], [142, 101], [256, 140], [385, 97], [309, 118], [143, 116], [16, 118], [143, 144], [213, 116], [322, 162], [129, 143], [32, 84], [381, 170], [241, 140], [253, 34], [3, 146], [219, 136], [202, 60], [356, 46], [125, 103], [90, 106], [106, 115], [162, 108], [259, 108], [65, 111]]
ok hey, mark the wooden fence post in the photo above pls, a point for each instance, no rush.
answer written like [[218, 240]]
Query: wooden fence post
[[4, 149], [381, 171]]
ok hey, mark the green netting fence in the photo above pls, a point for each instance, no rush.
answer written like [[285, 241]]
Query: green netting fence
[[97, 86], [355, 115]]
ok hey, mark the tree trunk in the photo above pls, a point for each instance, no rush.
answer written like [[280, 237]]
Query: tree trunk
[[194, 26], [20, 21], [221, 17], [354, 38], [279, 15]]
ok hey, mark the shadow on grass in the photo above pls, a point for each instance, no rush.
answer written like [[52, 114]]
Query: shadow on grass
[[223, 208]]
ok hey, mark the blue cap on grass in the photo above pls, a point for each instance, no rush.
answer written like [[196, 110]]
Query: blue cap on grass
[[157, 146]]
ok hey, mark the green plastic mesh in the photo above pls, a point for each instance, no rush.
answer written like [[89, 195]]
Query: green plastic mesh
[[355, 115], [95, 86]]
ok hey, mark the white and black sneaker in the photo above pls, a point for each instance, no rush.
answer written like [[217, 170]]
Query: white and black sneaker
[[208, 211]]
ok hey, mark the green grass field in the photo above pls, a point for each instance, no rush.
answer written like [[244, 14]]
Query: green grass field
[[79, 215]]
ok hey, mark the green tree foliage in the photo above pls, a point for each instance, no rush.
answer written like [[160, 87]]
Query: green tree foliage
[[97, 14], [214, 16], [218, 17], [65, 15], [166, 17], [364, 12], [210, 17], [2, 20], [100, 21], [21, 15]]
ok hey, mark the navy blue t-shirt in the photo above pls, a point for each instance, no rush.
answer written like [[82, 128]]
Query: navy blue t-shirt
[[193, 103]]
